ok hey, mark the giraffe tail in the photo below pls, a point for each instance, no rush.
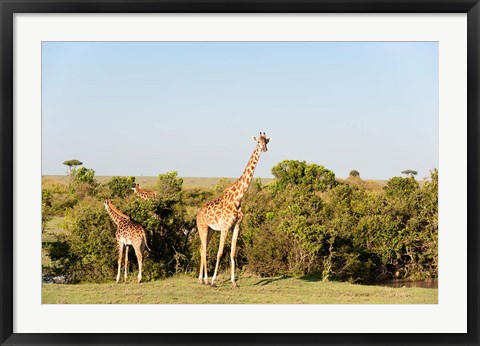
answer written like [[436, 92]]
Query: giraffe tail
[[145, 240]]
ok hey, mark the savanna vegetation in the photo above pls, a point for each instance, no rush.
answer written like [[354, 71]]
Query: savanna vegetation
[[305, 222]]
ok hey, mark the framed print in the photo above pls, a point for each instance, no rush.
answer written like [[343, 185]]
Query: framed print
[[135, 212]]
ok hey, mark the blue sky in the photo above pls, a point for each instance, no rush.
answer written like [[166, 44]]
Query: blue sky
[[131, 108]]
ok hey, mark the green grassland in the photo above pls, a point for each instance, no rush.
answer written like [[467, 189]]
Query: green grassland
[[185, 289]]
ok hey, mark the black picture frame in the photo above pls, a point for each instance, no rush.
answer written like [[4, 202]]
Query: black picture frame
[[7, 10]]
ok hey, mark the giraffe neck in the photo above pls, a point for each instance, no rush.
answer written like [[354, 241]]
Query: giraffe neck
[[140, 193], [245, 179], [115, 214]]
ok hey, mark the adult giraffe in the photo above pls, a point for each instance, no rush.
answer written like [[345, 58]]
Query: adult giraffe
[[224, 213]]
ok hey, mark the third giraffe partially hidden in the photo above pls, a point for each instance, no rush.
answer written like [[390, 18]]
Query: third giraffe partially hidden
[[224, 213], [142, 193]]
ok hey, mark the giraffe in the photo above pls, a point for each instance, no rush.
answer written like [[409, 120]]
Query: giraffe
[[143, 194], [224, 213], [128, 233]]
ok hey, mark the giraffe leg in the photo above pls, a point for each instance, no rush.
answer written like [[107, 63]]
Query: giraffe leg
[[209, 237], [234, 247], [203, 232], [223, 236], [120, 252], [126, 262], [138, 253], [200, 274]]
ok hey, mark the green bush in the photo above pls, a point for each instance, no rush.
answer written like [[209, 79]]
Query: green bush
[[87, 251], [84, 175], [292, 172], [120, 186], [398, 187], [170, 187], [82, 184]]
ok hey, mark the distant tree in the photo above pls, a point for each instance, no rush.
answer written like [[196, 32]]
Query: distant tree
[[72, 164], [354, 173], [410, 172]]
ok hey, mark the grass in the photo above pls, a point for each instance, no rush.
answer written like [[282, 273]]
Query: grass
[[185, 289]]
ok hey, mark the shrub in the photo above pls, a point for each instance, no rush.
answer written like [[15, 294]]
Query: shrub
[[120, 186], [292, 172], [87, 252], [169, 186], [84, 175], [398, 187]]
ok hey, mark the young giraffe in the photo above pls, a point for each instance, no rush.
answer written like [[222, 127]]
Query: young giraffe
[[225, 212], [143, 194], [128, 233]]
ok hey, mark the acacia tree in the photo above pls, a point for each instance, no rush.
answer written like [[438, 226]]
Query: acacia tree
[[72, 164], [410, 172]]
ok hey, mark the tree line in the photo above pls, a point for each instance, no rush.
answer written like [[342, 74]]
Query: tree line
[[305, 222]]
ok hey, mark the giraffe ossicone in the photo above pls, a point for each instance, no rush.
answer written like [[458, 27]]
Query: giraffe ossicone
[[224, 213], [128, 233]]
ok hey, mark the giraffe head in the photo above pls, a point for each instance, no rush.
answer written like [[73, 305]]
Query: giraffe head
[[262, 141], [106, 203], [135, 187]]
